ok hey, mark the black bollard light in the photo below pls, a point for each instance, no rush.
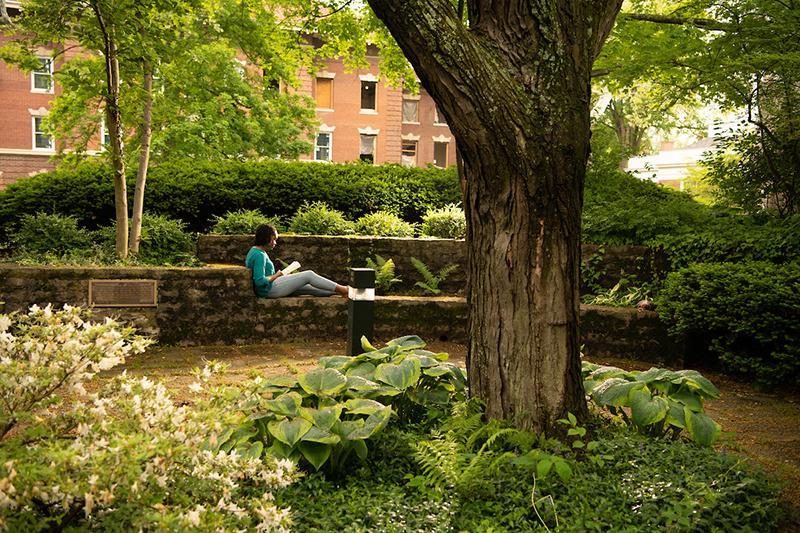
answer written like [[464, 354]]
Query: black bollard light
[[360, 308]]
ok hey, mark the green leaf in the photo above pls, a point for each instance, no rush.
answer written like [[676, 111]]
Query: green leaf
[[696, 380], [335, 361], [372, 425], [437, 371], [358, 383], [428, 397], [409, 342], [366, 346], [286, 404], [323, 418], [675, 416], [614, 392], [251, 451], [315, 453], [688, 398], [606, 372], [361, 449], [321, 436], [543, 468], [323, 382], [702, 428], [362, 406], [563, 470], [647, 409], [364, 370], [572, 419], [289, 431], [401, 376], [280, 381], [655, 374], [280, 450]]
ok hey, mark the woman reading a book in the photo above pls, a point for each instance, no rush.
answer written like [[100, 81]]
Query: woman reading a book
[[270, 284]]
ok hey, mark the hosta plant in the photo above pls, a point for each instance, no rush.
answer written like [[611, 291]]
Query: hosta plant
[[327, 415], [656, 402]]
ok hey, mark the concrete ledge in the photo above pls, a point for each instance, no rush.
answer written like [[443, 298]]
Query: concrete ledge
[[217, 306]]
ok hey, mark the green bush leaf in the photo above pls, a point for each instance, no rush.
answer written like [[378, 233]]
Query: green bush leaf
[[289, 431], [286, 404], [615, 392], [364, 370], [315, 453], [357, 383], [373, 424], [335, 361], [401, 376], [543, 468], [409, 342], [647, 409], [702, 428], [322, 418], [321, 436], [563, 470], [362, 406], [323, 381]]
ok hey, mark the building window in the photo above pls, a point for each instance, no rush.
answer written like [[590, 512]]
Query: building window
[[437, 119], [369, 100], [440, 154], [324, 93], [41, 139], [367, 150], [411, 111], [408, 156], [322, 147], [42, 78]]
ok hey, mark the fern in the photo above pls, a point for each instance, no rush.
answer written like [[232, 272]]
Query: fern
[[431, 281], [384, 272], [439, 460]]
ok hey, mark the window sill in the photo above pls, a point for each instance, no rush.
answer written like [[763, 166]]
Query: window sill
[[412, 123], [42, 91], [324, 110], [368, 112], [439, 124]]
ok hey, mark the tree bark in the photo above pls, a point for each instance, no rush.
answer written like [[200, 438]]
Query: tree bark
[[114, 121], [144, 158], [514, 88]]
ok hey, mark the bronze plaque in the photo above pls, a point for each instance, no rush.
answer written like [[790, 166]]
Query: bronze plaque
[[123, 293]]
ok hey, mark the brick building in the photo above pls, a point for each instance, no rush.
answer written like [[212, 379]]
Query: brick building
[[360, 117]]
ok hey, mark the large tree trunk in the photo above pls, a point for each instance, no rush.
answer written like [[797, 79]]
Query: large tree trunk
[[144, 158], [114, 122], [514, 88]]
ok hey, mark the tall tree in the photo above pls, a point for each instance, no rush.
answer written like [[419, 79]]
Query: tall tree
[[513, 84]]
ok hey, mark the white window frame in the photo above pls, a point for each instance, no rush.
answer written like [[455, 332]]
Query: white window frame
[[51, 148], [330, 146], [416, 152], [48, 73], [446, 141], [436, 118], [403, 112], [368, 132]]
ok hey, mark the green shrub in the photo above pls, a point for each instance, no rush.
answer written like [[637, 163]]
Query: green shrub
[[447, 222], [50, 234], [164, 241], [243, 222], [383, 224], [195, 191], [384, 272], [747, 315], [317, 218]]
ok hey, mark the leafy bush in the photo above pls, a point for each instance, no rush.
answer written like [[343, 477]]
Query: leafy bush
[[243, 222], [126, 458], [195, 191], [620, 295], [431, 281], [326, 415], [50, 234], [747, 315], [317, 218], [383, 224], [467, 475], [660, 402], [164, 241], [447, 222], [384, 272]]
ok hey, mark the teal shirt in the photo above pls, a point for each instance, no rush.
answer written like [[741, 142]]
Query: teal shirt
[[258, 261]]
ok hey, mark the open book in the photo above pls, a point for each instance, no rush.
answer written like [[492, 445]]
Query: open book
[[291, 268]]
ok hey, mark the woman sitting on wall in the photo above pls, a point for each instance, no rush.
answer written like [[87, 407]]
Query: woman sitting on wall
[[270, 284]]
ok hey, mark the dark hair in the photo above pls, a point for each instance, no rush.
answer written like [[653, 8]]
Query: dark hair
[[264, 234]]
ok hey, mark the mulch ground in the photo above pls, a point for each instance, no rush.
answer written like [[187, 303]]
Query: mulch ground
[[762, 425]]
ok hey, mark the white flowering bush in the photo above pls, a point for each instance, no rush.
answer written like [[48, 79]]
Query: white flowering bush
[[125, 458]]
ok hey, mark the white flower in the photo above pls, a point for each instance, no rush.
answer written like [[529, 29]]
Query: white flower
[[196, 386], [5, 323]]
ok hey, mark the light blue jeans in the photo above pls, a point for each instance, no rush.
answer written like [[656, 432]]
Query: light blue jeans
[[303, 283]]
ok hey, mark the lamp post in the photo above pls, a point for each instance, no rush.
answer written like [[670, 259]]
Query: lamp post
[[360, 308]]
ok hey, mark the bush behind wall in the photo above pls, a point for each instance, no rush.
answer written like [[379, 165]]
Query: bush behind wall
[[196, 191]]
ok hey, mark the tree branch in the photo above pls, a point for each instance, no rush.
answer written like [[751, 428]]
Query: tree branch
[[707, 24], [604, 14]]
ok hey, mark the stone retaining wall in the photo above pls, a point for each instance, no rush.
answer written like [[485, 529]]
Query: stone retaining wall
[[332, 256], [217, 306]]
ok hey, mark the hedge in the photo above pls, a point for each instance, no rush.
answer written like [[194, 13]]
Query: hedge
[[195, 192], [745, 315]]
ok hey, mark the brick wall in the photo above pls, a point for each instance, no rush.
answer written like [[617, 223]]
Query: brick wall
[[14, 167]]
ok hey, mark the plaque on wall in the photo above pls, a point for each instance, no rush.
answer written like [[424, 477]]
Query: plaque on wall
[[123, 293]]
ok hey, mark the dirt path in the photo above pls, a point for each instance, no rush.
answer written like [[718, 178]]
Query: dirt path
[[762, 425]]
